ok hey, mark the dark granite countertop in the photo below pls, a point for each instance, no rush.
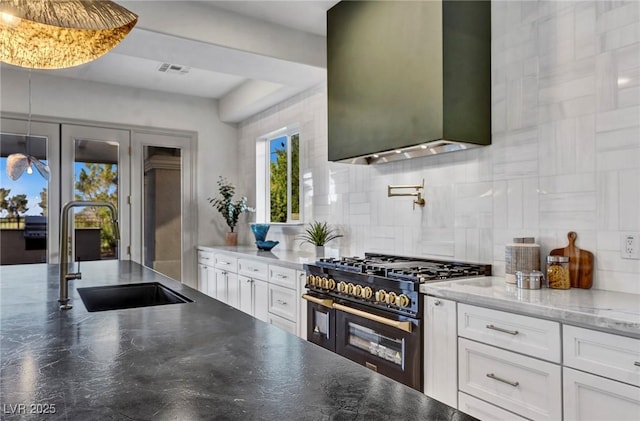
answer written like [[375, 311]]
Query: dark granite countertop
[[196, 361]]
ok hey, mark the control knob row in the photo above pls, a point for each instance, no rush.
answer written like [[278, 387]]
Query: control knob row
[[321, 282], [355, 290], [392, 298]]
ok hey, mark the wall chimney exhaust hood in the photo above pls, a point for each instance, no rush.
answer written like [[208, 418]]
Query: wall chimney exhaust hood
[[407, 79]]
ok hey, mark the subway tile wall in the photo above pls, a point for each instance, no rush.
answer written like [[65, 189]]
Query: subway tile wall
[[565, 154]]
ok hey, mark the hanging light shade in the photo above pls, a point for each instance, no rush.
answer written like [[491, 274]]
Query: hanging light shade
[[55, 34]]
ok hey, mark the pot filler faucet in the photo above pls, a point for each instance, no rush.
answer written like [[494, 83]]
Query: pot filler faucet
[[65, 275]]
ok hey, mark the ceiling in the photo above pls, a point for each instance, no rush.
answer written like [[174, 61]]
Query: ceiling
[[249, 55]]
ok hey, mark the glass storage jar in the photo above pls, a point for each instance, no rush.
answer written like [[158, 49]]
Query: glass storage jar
[[558, 272]]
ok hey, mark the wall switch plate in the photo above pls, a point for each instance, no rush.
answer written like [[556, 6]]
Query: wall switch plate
[[630, 246]]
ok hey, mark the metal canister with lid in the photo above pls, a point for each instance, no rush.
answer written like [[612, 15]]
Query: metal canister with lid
[[529, 279], [558, 272]]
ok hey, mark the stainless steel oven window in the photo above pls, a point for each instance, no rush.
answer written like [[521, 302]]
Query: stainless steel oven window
[[390, 349], [321, 323]]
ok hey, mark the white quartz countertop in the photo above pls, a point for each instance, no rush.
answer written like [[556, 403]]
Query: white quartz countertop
[[614, 312], [287, 258]]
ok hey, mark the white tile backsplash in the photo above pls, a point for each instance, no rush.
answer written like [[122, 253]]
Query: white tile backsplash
[[565, 152]]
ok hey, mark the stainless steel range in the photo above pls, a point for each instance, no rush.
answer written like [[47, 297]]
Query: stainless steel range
[[369, 310]]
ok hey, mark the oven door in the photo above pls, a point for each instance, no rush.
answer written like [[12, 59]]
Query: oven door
[[321, 321], [389, 344]]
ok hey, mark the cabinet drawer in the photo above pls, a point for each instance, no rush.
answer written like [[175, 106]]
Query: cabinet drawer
[[529, 387], [253, 269], [592, 398], [282, 276], [282, 302], [226, 262], [484, 411], [205, 257], [527, 335], [605, 354], [284, 324]]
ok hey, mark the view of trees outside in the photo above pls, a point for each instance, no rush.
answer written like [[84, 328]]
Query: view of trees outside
[[280, 183], [98, 182], [94, 181]]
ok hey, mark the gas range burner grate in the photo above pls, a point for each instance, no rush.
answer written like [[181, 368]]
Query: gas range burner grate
[[405, 268]]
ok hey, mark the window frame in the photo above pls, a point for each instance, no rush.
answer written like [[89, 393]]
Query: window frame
[[263, 176]]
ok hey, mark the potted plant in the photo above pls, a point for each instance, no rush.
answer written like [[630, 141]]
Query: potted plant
[[229, 209], [318, 234]]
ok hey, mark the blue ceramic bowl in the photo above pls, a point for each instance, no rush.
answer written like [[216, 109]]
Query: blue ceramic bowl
[[266, 245], [260, 231]]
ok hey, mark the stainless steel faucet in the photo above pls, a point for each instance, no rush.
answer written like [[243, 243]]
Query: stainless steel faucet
[[65, 275]]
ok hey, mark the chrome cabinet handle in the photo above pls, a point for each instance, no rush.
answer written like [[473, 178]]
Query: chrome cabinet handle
[[281, 276], [281, 302], [255, 270], [437, 302], [494, 377], [499, 329], [636, 363], [224, 263]]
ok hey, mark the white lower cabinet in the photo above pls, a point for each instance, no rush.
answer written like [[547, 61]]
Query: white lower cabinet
[[440, 350], [484, 410], [227, 287], [594, 398], [524, 385], [282, 323], [253, 297]]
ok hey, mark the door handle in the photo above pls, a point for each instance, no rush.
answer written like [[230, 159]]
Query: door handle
[[499, 329], [325, 302], [404, 326]]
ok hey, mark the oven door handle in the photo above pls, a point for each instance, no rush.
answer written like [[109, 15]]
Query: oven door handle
[[325, 302], [404, 326]]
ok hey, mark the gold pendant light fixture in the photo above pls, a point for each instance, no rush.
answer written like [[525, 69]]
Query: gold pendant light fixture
[[55, 34]]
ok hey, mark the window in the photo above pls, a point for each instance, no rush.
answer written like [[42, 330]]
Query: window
[[278, 177]]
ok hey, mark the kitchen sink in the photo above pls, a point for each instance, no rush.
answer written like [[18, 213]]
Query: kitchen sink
[[118, 297]]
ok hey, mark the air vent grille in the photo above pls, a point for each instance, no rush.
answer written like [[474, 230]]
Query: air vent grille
[[173, 68]]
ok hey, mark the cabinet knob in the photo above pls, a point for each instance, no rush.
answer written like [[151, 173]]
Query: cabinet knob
[[437, 302]]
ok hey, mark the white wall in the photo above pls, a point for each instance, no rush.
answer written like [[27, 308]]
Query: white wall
[[565, 152], [97, 102]]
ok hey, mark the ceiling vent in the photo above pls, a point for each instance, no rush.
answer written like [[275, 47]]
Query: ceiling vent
[[173, 69]]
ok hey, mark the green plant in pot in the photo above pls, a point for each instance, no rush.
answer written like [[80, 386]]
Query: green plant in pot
[[229, 209], [318, 234]]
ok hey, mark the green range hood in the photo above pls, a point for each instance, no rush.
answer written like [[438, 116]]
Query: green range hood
[[407, 78]]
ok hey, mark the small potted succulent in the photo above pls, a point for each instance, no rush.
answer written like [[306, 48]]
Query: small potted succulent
[[229, 209], [318, 234]]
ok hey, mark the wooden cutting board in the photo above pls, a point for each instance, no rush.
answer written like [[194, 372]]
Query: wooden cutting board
[[580, 263]]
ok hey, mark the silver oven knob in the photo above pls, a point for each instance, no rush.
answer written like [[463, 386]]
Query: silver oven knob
[[381, 295]]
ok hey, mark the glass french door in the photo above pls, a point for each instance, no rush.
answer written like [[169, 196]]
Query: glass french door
[[97, 169], [164, 192], [29, 205]]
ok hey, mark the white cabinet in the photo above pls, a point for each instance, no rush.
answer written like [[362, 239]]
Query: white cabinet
[[592, 398], [282, 323], [500, 362], [302, 304], [269, 292], [205, 270], [483, 410], [527, 335], [613, 356], [253, 297], [527, 386], [227, 287], [440, 350], [588, 395]]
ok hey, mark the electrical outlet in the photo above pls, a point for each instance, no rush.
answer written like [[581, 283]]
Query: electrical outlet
[[630, 246]]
